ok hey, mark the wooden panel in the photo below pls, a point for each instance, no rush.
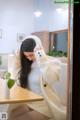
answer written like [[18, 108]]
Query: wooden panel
[[68, 70], [44, 36], [59, 31]]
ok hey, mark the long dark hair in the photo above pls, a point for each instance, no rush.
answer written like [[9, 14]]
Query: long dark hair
[[26, 46]]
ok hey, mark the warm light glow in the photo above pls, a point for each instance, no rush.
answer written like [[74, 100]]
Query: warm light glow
[[37, 13], [60, 10]]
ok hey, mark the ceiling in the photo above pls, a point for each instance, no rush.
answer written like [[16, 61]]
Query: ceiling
[[57, 4]]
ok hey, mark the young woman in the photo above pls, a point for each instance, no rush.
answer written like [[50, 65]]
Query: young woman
[[32, 65], [33, 60]]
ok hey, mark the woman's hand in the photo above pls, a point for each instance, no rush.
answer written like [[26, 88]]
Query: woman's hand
[[40, 54]]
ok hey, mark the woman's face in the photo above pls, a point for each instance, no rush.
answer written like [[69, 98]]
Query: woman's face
[[30, 56]]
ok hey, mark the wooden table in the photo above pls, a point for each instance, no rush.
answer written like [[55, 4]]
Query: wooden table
[[18, 94]]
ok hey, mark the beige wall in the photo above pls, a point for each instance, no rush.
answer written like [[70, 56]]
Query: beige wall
[[44, 36]]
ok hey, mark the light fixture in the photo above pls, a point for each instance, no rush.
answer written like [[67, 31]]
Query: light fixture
[[37, 13], [60, 10]]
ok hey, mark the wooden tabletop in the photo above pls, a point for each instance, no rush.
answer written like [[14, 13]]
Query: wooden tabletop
[[18, 94]]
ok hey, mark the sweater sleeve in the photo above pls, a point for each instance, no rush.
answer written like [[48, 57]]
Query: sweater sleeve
[[55, 76], [52, 73]]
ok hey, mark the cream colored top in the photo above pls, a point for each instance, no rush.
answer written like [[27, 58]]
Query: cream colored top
[[51, 75]]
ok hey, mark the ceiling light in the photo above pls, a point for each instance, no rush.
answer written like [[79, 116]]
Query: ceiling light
[[60, 10], [37, 13]]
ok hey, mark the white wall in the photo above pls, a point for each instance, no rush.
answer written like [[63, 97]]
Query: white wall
[[16, 17], [50, 20], [58, 21], [41, 23]]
